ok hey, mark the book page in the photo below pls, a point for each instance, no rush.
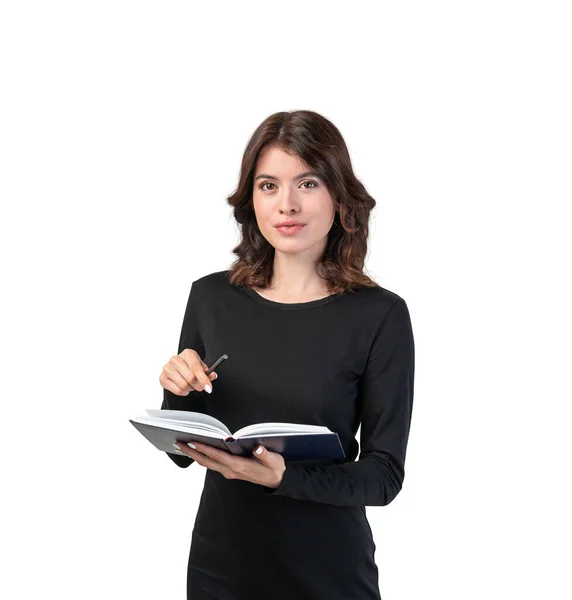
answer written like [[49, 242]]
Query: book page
[[188, 417], [278, 429], [188, 427], [283, 434]]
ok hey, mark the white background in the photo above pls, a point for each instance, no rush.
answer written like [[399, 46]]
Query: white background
[[122, 130]]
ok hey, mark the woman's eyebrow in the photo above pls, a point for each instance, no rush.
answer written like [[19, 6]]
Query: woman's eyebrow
[[300, 176]]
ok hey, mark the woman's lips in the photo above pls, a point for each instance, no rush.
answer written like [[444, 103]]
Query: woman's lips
[[289, 230]]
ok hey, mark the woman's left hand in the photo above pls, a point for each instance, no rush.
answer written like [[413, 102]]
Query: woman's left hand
[[265, 469]]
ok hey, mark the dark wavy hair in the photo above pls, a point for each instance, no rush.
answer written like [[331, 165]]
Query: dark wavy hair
[[319, 144]]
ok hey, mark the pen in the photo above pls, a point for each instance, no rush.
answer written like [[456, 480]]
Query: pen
[[216, 364]]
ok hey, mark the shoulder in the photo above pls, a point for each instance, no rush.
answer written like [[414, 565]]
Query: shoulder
[[380, 309], [379, 299], [385, 316], [211, 282]]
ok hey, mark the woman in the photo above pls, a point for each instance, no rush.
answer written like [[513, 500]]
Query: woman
[[310, 339]]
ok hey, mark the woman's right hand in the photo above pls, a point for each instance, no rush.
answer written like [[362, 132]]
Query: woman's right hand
[[185, 373]]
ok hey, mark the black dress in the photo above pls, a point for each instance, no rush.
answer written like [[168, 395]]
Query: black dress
[[338, 361]]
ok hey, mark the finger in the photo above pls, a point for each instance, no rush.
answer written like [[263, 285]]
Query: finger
[[212, 375], [173, 373], [175, 389], [203, 380], [183, 448], [169, 385], [209, 463], [193, 368], [183, 364], [220, 456], [194, 454], [245, 468], [237, 464]]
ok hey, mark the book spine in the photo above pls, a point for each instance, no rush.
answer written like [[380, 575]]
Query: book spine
[[234, 446]]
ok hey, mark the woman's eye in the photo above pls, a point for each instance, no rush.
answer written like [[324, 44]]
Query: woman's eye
[[312, 182]]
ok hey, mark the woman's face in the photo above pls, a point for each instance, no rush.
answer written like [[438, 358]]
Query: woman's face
[[281, 193]]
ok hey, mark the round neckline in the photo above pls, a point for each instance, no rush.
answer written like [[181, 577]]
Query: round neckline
[[290, 305]]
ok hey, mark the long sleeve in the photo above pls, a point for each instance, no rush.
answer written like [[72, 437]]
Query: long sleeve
[[190, 337], [386, 400]]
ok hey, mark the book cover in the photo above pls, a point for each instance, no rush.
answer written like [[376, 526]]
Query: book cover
[[294, 441]]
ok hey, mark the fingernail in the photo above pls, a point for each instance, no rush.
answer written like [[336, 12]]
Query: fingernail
[[208, 389], [258, 450], [191, 445]]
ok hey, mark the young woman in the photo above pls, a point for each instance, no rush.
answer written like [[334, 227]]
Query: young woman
[[310, 339]]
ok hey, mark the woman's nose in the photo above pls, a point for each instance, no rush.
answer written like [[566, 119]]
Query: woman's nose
[[287, 201]]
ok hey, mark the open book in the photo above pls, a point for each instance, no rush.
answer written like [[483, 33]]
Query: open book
[[294, 441]]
